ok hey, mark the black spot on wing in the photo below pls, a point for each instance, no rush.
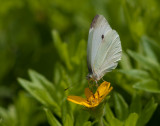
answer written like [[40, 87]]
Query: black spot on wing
[[102, 37], [94, 21]]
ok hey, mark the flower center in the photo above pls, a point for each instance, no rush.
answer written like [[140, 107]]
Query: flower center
[[93, 100]]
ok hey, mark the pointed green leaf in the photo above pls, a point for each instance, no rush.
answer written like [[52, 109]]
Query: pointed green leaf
[[51, 119], [77, 58], [88, 123], [40, 81], [68, 121], [134, 107], [154, 45], [147, 113], [145, 62], [147, 48], [125, 62], [131, 120], [148, 85], [108, 113], [31, 89], [81, 116], [105, 122], [135, 73], [121, 107], [8, 116], [66, 110], [111, 119], [62, 49], [41, 94], [57, 74]]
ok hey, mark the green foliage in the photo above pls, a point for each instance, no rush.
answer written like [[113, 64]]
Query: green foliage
[[147, 112], [131, 120], [51, 119], [147, 74], [55, 100], [124, 115], [8, 117], [134, 115], [42, 90], [24, 112], [50, 37]]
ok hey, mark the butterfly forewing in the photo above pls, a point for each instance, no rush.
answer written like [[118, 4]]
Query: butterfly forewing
[[99, 27], [109, 52], [104, 48]]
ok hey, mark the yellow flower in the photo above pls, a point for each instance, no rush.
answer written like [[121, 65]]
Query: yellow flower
[[92, 100]]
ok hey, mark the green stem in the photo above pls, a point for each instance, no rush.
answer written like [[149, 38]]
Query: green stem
[[97, 114], [100, 122]]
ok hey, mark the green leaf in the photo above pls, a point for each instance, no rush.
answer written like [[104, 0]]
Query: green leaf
[[26, 107], [125, 62], [105, 122], [148, 85], [80, 117], [88, 123], [68, 121], [40, 81], [154, 45], [147, 112], [8, 116], [111, 119], [121, 107], [67, 114], [135, 73], [57, 74], [131, 120], [51, 119], [79, 53], [31, 89], [145, 62], [134, 107], [147, 48], [62, 49], [41, 94]]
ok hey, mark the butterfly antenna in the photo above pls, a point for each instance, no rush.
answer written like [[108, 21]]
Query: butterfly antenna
[[71, 86], [67, 88]]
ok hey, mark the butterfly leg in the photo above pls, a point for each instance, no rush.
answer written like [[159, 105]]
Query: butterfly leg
[[96, 83], [103, 79], [90, 85]]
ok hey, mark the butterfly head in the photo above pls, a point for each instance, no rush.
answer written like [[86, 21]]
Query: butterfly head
[[92, 76]]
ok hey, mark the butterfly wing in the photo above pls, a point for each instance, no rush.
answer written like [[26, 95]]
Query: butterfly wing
[[108, 54], [104, 47], [99, 28]]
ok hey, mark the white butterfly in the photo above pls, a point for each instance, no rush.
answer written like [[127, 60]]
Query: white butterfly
[[103, 50]]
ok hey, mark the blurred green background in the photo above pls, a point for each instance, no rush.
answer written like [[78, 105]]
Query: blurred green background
[[50, 37]]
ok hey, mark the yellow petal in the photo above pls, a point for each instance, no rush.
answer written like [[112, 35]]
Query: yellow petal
[[102, 89], [94, 105], [106, 93], [88, 93], [78, 100]]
